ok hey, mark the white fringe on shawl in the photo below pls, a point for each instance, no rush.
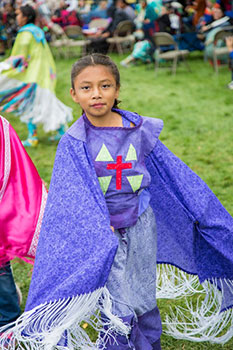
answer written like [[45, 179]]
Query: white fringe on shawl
[[173, 283], [43, 327], [203, 321], [197, 321]]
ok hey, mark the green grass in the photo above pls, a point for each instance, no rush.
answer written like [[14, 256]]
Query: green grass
[[197, 110]]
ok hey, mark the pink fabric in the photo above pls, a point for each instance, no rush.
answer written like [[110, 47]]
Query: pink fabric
[[2, 156], [23, 198]]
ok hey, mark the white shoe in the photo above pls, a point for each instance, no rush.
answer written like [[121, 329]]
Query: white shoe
[[230, 85], [124, 64]]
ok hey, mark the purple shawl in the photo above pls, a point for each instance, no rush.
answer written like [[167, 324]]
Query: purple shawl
[[77, 246], [195, 232]]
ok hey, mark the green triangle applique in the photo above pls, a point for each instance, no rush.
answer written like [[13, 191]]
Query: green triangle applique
[[131, 155], [104, 183], [135, 181], [104, 155]]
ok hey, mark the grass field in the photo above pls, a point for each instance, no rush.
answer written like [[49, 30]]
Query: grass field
[[197, 110]]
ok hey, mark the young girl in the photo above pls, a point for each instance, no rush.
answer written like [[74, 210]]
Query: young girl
[[115, 188], [28, 79], [118, 145]]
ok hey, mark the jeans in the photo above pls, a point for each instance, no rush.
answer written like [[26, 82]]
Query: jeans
[[9, 304]]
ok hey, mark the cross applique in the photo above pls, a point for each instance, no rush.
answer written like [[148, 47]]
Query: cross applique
[[119, 166]]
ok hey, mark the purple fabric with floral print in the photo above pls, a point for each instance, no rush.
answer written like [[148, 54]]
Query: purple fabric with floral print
[[77, 246]]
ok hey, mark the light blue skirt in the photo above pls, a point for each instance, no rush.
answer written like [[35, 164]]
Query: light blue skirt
[[132, 279]]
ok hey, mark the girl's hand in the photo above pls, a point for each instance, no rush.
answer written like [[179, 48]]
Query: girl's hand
[[112, 228]]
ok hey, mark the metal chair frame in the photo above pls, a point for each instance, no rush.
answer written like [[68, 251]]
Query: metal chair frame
[[162, 39], [65, 40], [122, 35], [220, 51]]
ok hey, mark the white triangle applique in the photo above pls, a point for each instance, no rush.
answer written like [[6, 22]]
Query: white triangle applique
[[135, 181], [104, 183], [132, 154], [104, 155]]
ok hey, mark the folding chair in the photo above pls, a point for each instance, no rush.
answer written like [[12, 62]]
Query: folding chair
[[168, 50], [122, 37], [220, 51]]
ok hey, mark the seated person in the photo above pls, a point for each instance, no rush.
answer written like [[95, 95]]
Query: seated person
[[63, 17], [143, 50], [218, 20], [197, 9], [99, 12], [210, 30], [208, 15], [98, 40], [127, 9]]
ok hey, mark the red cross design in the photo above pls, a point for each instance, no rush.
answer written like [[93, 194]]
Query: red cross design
[[119, 166]]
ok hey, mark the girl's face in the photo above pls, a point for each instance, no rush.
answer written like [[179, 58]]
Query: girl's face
[[20, 18], [95, 91]]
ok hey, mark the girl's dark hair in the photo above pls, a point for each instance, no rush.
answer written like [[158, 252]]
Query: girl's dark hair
[[29, 12], [94, 60]]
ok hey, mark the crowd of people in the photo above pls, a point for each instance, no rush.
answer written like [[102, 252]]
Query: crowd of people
[[191, 21], [27, 34]]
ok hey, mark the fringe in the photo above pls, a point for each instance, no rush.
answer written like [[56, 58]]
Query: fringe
[[200, 320], [173, 283], [32, 249], [58, 324]]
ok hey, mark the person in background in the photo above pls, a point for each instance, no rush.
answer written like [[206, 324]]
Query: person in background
[[143, 50], [197, 8], [3, 37], [10, 23], [207, 16], [152, 10], [99, 40], [209, 31], [99, 12], [64, 17], [22, 201], [123, 4], [28, 80]]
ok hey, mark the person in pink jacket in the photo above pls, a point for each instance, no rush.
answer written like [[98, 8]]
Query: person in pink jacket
[[22, 201]]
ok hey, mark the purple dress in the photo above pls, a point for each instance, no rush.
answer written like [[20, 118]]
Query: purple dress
[[118, 156]]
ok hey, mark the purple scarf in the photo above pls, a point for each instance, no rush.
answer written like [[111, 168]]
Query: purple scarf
[[77, 247]]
